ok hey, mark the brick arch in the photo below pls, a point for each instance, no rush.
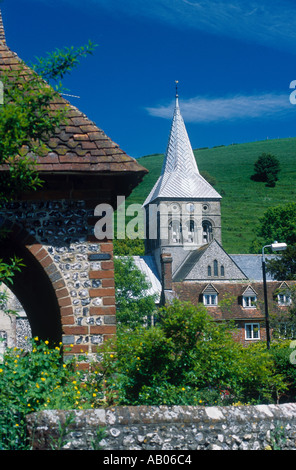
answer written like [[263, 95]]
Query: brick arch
[[40, 277]]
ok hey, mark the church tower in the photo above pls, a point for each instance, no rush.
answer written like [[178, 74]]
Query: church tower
[[182, 210]]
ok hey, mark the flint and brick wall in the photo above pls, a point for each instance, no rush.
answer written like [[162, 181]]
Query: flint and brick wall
[[170, 428], [59, 234]]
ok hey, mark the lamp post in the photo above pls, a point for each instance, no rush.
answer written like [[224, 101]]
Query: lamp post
[[275, 247]]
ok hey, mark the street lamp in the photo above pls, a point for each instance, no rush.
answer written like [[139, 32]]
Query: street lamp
[[275, 247]]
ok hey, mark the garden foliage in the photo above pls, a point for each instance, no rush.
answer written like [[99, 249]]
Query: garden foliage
[[190, 359]]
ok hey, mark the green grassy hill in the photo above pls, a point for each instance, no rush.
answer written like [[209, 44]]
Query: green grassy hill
[[243, 200]]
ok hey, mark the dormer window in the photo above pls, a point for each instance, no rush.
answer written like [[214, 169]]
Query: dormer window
[[210, 296], [284, 300], [284, 295], [249, 298]]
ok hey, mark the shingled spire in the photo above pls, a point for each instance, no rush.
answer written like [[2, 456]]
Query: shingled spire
[[180, 177], [2, 32]]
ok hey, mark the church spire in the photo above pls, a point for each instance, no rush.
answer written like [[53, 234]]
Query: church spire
[[2, 32], [180, 177]]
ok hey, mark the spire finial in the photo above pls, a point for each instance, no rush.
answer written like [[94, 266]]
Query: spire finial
[[176, 82]]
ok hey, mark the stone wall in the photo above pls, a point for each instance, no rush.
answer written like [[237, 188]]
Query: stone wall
[[168, 428]]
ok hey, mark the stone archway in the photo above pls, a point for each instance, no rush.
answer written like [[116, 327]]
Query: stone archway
[[39, 285]]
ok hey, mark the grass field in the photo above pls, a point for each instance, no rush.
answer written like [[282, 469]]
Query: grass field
[[243, 200]]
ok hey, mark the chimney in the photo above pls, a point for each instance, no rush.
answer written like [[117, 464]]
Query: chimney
[[166, 271]]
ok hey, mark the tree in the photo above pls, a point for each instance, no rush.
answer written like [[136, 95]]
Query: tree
[[266, 169], [283, 267], [134, 306], [278, 223]]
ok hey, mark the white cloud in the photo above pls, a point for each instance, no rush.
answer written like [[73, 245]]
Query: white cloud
[[210, 109], [267, 22]]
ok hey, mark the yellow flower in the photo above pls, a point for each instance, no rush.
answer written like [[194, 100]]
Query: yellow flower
[[94, 395], [43, 379], [37, 385], [64, 365], [1, 370], [183, 389], [17, 425], [46, 342], [36, 338]]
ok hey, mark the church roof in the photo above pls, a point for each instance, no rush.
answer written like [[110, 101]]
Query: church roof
[[78, 145], [180, 177], [251, 265]]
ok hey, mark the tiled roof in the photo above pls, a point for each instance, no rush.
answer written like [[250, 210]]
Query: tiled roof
[[192, 292], [78, 145], [180, 177]]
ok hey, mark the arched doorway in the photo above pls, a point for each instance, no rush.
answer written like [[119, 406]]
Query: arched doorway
[[33, 288]]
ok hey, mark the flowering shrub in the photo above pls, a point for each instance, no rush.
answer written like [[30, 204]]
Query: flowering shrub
[[36, 380]]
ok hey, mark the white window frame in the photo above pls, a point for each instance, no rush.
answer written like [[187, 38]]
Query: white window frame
[[284, 300], [252, 326], [210, 300], [249, 301]]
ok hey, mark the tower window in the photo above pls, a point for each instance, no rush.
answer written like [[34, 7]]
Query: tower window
[[209, 270], [175, 232], [189, 237], [222, 271], [207, 230]]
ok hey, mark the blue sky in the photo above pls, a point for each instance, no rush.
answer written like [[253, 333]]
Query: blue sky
[[234, 61]]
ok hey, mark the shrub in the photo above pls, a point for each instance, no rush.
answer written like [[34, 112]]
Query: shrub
[[36, 380], [188, 359]]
